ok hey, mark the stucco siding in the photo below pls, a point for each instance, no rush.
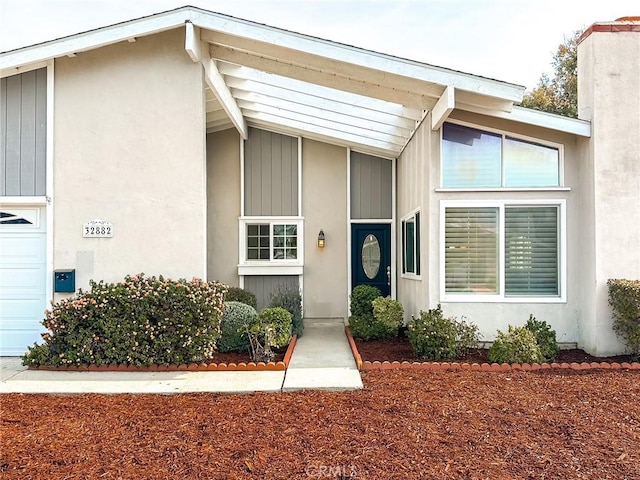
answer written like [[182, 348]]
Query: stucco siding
[[129, 148], [609, 72], [324, 206], [223, 205]]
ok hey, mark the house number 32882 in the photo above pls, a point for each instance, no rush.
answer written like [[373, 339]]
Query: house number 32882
[[97, 229]]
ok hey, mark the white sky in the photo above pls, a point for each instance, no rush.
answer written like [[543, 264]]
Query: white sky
[[510, 40]]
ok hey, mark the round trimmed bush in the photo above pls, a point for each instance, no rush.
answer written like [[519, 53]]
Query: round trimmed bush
[[236, 316], [518, 345], [280, 320], [237, 294]]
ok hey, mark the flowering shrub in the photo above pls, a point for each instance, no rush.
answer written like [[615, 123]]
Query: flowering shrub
[[141, 321], [436, 337]]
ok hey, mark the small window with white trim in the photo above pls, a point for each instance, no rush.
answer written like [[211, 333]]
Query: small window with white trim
[[270, 242], [493, 251], [474, 158], [411, 244]]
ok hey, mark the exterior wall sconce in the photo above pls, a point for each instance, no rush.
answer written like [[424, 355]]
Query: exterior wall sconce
[[321, 239]]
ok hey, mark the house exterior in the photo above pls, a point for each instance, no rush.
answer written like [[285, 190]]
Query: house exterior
[[189, 143]]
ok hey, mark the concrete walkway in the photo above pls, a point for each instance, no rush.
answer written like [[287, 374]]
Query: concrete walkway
[[319, 360], [322, 359]]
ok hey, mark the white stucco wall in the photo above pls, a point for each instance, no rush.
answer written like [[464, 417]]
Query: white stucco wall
[[608, 96], [129, 148], [324, 206], [223, 186], [417, 189]]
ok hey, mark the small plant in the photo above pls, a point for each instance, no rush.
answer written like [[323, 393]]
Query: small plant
[[279, 321], [236, 317], [518, 345], [140, 321], [362, 321], [545, 337], [435, 337], [288, 297], [237, 294], [624, 298]]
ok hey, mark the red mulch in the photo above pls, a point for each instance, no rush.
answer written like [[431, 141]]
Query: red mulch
[[403, 425], [399, 349]]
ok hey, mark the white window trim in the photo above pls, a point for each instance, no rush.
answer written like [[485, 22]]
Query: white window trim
[[500, 297], [409, 275], [505, 133], [270, 267]]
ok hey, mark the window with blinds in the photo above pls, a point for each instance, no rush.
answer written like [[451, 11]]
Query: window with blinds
[[526, 237], [531, 251], [471, 250]]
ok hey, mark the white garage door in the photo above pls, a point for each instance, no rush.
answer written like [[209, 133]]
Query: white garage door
[[22, 278]]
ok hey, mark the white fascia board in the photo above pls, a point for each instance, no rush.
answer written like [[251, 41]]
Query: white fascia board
[[537, 118], [94, 39], [271, 79], [252, 98], [358, 56], [192, 42], [324, 122], [329, 135], [443, 108]]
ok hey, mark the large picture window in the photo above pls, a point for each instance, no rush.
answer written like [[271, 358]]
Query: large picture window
[[503, 250], [411, 244], [473, 158]]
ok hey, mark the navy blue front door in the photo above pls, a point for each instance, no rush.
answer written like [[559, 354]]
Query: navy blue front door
[[371, 256]]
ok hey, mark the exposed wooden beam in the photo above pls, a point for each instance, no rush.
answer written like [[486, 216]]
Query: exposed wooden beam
[[214, 79], [443, 108]]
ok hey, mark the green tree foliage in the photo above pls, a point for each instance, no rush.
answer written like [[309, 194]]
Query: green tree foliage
[[558, 94]]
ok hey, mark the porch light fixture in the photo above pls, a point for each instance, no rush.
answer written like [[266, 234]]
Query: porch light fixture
[[321, 239]]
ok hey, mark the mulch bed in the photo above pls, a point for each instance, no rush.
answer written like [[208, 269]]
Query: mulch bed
[[399, 349], [404, 424]]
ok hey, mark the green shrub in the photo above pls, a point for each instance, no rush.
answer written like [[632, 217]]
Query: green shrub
[[280, 320], [435, 337], [518, 345], [389, 315], [141, 321], [545, 337], [288, 297], [362, 321], [361, 300], [237, 294], [624, 298], [236, 316]]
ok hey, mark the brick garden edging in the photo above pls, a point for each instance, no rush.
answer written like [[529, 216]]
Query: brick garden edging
[[482, 367], [193, 367]]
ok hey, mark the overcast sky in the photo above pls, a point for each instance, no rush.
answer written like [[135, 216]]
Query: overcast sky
[[510, 40]]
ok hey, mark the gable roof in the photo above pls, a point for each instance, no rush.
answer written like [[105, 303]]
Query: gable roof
[[272, 78]]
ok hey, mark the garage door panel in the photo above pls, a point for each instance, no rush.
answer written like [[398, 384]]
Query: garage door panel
[[16, 281], [22, 281], [21, 248]]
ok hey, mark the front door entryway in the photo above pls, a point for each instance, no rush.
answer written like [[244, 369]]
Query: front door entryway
[[371, 256]]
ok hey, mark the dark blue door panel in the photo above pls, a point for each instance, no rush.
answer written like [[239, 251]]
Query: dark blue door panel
[[371, 256]]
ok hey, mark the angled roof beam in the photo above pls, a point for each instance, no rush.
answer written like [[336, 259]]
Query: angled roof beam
[[199, 53], [443, 107]]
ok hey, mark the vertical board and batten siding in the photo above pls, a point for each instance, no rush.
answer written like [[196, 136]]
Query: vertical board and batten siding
[[263, 286], [371, 187], [23, 127], [270, 174]]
